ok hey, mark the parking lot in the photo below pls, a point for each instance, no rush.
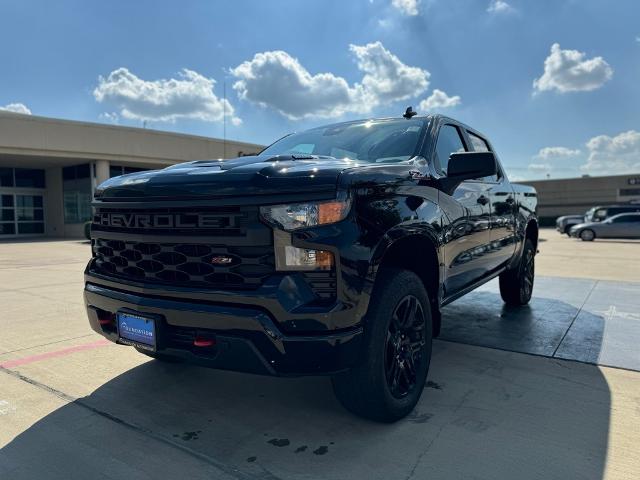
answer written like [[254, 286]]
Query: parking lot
[[551, 390]]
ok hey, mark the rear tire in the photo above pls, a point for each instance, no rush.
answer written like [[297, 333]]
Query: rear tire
[[516, 285], [388, 382], [587, 235]]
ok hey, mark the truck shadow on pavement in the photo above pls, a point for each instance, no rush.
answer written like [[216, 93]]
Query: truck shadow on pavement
[[485, 413]]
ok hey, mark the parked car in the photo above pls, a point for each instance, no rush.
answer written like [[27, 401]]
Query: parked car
[[600, 213], [564, 223], [623, 225], [329, 253]]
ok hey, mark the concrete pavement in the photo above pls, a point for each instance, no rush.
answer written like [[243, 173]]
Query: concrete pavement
[[74, 407]]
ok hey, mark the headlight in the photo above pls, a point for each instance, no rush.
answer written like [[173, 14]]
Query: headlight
[[303, 215]]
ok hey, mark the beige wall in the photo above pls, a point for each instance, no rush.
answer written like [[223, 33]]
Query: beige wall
[[40, 136], [577, 195]]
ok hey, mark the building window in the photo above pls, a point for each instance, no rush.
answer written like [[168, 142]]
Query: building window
[[21, 214], [629, 192], [76, 187], [6, 177], [29, 178], [22, 177]]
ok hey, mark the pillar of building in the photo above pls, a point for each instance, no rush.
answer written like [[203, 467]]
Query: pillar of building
[[102, 171], [54, 203]]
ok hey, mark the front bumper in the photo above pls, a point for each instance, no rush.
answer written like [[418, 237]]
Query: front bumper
[[246, 337]]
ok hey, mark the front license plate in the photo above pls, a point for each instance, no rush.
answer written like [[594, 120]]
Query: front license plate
[[137, 330]]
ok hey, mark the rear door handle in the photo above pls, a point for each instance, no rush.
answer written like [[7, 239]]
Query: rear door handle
[[482, 200]]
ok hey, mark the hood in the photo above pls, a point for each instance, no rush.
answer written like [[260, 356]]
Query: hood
[[254, 175]]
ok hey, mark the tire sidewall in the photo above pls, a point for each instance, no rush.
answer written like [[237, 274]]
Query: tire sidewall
[[591, 238], [397, 284], [528, 247]]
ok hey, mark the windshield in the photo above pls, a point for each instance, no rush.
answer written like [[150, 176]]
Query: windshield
[[367, 141]]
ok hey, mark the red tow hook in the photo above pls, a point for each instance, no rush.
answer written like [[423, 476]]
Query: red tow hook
[[105, 318], [203, 342]]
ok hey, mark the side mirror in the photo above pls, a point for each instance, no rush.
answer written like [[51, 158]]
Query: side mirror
[[466, 166]]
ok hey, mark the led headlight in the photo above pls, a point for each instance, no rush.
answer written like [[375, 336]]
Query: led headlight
[[303, 215]]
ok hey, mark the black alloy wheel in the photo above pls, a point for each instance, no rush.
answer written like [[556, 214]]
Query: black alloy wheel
[[389, 378], [404, 346]]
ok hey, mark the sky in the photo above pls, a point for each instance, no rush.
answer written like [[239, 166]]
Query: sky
[[554, 84]]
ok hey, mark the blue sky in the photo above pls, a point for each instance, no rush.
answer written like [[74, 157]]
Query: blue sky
[[290, 65]]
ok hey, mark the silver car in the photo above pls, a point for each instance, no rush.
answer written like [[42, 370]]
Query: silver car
[[623, 225]]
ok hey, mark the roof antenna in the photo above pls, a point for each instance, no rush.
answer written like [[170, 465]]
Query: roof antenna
[[408, 113]]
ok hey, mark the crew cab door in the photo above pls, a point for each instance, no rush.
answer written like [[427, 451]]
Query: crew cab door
[[503, 209], [467, 236]]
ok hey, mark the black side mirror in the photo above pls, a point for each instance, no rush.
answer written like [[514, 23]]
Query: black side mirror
[[466, 166]]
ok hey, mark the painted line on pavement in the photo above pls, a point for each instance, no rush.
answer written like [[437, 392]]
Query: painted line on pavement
[[56, 353]]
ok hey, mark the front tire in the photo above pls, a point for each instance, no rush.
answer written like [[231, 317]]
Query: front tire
[[516, 285], [389, 380], [587, 235]]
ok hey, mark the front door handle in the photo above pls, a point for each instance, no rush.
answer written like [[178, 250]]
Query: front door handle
[[482, 200]]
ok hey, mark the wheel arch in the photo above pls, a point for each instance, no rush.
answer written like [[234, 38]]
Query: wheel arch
[[532, 232], [401, 253]]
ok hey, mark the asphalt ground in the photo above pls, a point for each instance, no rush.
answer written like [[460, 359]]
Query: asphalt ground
[[546, 391]]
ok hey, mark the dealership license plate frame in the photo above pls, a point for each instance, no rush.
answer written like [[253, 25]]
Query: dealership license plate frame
[[141, 323]]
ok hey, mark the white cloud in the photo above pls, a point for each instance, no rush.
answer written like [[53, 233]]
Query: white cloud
[[613, 155], [556, 152], [190, 96], [569, 71], [111, 117], [386, 78], [499, 6], [407, 7], [16, 108], [539, 167], [276, 79], [438, 99]]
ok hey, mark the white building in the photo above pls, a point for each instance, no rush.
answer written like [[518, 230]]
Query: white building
[[49, 167]]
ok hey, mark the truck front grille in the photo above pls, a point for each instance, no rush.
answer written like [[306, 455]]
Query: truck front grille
[[185, 264], [211, 221]]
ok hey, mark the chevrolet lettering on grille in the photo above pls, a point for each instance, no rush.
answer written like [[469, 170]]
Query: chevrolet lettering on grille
[[168, 220]]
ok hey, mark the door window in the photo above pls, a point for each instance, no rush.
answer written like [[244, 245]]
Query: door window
[[626, 219], [480, 145], [449, 141]]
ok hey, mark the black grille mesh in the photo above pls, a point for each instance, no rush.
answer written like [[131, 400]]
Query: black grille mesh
[[188, 265]]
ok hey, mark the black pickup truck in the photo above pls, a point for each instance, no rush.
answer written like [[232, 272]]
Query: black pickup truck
[[331, 252]]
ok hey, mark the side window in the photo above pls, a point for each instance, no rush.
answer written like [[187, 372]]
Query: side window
[[627, 219], [480, 145], [600, 214], [449, 141]]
